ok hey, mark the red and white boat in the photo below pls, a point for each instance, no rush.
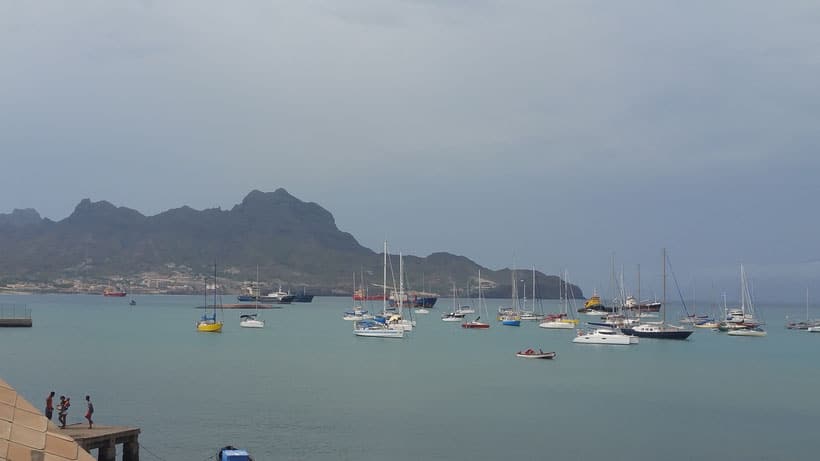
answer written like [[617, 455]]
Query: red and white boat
[[475, 324], [114, 293]]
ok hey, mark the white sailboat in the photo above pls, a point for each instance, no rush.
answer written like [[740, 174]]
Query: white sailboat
[[454, 315], [253, 320], [373, 328], [482, 307], [562, 320], [743, 318]]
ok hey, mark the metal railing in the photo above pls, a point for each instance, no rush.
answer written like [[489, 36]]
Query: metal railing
[[14, 311]]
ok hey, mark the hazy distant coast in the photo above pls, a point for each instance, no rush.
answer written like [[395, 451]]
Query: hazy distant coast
[[294, 244]]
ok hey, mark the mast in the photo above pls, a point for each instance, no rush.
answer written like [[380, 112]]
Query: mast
[[401, 283], [533, 287], [384, 280], [639, 290], [479, 293], [664, 286]]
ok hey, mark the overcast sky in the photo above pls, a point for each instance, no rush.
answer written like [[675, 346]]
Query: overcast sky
[[518, 132]]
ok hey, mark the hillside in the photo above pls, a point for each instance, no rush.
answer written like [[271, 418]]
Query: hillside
[[294, 243]]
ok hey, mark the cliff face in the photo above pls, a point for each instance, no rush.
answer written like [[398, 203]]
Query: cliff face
[[292, 242]]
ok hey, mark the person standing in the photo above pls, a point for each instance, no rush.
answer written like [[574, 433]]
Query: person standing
[[61, 411], [50, 405], [89, 411]]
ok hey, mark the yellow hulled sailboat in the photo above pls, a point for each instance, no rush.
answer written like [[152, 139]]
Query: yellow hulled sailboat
[[208, 322]]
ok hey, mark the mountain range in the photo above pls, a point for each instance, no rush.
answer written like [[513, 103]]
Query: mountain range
[[293, 243]]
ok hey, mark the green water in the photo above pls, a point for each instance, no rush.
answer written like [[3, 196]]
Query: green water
[[306, 388]]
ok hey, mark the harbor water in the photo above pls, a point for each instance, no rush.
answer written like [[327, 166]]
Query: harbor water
[[306, 388]]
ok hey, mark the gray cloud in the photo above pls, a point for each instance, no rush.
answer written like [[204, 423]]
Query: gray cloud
[[557, 131]]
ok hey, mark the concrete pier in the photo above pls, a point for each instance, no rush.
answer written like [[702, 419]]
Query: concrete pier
[[105, 439], [15, 315]]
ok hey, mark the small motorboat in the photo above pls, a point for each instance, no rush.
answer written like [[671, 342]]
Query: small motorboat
[[230, 453], [132, 303], [476, 324], [533, 354]]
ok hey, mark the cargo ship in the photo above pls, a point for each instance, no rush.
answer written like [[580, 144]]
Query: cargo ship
[[114, 293], [359, 295], [414, 299]]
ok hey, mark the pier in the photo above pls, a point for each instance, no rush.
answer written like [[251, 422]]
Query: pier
[[105, 439], [15, 315]]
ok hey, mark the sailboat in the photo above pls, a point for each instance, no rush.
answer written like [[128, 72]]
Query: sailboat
[[511, 316], [482, 306], [253, 320], [803, 324], [375, 329], [561, 321], [208, 322], [530, 314], [455, 315], [743, 317], [660, 330]]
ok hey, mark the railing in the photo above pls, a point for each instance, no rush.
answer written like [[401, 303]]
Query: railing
[[14, 311]]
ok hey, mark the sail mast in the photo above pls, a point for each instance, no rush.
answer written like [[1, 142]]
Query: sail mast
[[664, 286], [384, 280]]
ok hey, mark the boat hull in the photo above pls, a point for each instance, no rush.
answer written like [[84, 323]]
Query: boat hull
[[542, 356], [115, 294], [252, 324], [609, 337], [557, 325], [666, 334], [379, 333], [475, 325], [209, 327], [751, 333]]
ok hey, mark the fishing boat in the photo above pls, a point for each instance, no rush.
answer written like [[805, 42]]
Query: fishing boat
[[482, 307], [278, 296], [303, 297], [659, 330], [533, 354], [593, 305], [648, 306], [604, 336]]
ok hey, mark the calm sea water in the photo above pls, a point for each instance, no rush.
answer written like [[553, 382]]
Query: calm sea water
[[305, 388]]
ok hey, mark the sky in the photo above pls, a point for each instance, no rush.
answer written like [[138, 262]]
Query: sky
[[516, 133]]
